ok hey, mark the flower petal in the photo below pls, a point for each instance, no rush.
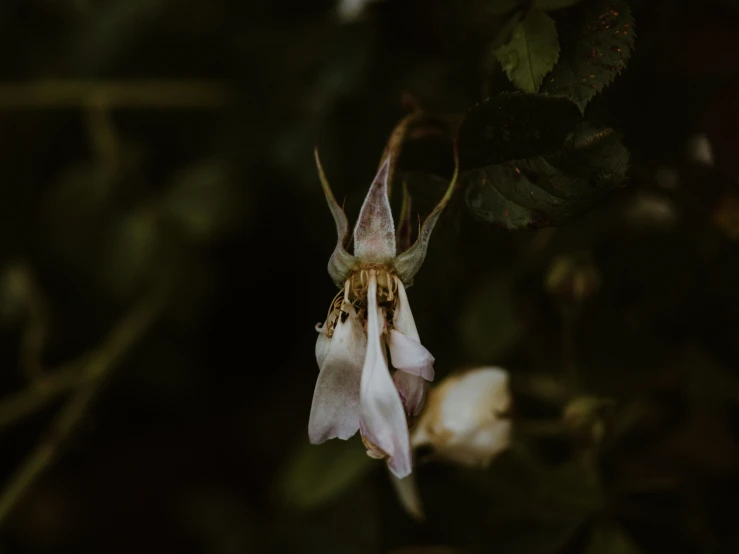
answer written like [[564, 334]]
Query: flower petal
[[335, 410], [410, 356], [323, 344], [406, 351], [412, 390], [374, 233], [464, 420], [478, 448], [383, 418], [474, 399]]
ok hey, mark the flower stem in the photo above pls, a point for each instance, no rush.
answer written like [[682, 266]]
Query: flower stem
[[92, 373]]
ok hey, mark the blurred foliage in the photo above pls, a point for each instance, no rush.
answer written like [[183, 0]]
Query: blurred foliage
[[157, 159]]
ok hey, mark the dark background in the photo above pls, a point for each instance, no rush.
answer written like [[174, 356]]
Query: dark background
[[193, 193]]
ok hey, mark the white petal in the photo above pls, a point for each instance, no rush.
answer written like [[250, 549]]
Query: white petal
[[412, 390], [464, 420], [323, 343], [406, 351], [403, 317], [335, 409], [493, 439], [479, 448], [410, 356], [383, 418], [474, 399]]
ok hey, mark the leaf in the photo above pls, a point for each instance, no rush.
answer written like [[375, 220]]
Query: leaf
[[512, 125], [318, 474], [501, 7], [547, 190], [531, 53], [533, 508], [490, 324], [202, 201], [595, 48], [608, 538], [550, 5]]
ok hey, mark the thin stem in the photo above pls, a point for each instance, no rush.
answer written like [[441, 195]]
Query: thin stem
[[40, 394], [115, 94], [101, 131], [569, 316], [34, 332], [395, 143], [97, 367]]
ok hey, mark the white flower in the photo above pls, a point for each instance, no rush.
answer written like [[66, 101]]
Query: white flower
[[355, 389], [465, 419]]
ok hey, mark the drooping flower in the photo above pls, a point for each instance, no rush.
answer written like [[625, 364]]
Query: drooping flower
[[355, 389]]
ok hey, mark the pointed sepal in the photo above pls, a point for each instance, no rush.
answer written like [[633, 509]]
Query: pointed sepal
[[341, 262], [409, 262], [374, 233]]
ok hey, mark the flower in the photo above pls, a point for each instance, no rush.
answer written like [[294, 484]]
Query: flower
[[465, 419], [369, 316]]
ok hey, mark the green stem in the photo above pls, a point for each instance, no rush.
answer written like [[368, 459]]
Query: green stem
[[95, 369]]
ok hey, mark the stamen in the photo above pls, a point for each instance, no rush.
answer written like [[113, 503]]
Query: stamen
[[335, 305]]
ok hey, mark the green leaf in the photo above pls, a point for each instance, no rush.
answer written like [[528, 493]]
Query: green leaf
[[490, 325], [318, 474], [531, 53], [608, 538], [512, 125], [501, 7], [595, 48], [547, 190], [202, 201], [550, 5]]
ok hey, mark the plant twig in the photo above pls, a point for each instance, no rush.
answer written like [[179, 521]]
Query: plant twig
[[34, 332], [569, 318], [115, 94], [40, 394], [98, 366]]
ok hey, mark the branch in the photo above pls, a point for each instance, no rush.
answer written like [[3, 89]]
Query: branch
[[143, 94], [93, 373]]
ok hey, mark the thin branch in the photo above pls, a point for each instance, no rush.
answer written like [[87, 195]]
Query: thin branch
[[569, 362], [36, 324], [98, 366], [40, 393], [131, 94]]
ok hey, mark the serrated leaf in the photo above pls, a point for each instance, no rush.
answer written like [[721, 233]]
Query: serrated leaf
[[595, 48], [532, 51], [547, 190], [512, 126], [550, 5]]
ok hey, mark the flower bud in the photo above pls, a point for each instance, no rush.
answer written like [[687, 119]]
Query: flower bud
[[465, 419], [585, 418], [573, 278]]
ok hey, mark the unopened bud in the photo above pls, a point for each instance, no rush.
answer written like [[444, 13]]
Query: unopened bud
[[573, 278], [585, 417], [465, 419], [15, 291]]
